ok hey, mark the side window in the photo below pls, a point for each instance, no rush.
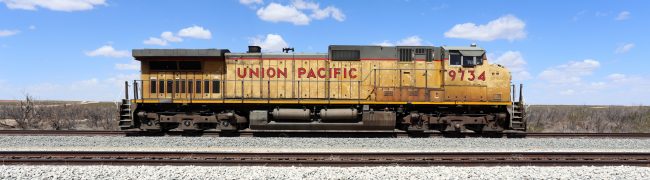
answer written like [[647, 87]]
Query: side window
[[206, 85], [189, 65], [153, 86], [161, 86], [163, 65], [215, 86], [170, 86], [182, 86], [198, 87], [479, 60], [178, 84], [454, 58], [190, 88]]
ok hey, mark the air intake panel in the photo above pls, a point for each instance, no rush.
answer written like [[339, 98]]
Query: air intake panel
[[254, 49]]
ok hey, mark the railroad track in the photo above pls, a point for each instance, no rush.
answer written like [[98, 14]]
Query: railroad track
[[303, 133], [325, 159]]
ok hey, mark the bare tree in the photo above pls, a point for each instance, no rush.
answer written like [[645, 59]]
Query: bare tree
[[23, 113]]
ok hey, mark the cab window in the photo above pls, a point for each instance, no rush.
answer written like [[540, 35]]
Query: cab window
[[468, 60], [472, 60], [454, 58]]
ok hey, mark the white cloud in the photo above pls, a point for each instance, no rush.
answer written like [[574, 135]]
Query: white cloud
[[384, 43], [169, 36], [597, 85], [32, 27], [569, 73], [329, 11], [567, 92], [251, 2], [612, 89], [6, 33], [317, 12], [278, 13], [516, 63], [616, 77], [408, 41], [133, 65], [196, 32], [624, 48], [300, 4], [623, 16], [505, 27], [622, 78], [54, 5], [108, 51], [155, 41], [272, 43], [294, 12]]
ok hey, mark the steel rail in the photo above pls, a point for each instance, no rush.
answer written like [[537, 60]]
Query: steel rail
[[597, 135], [324, 133], [326, 159]]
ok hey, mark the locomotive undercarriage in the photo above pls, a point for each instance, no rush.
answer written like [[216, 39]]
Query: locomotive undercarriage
[[235, 117]]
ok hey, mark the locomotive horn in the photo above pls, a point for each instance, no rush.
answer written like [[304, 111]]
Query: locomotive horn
[[286, 50]]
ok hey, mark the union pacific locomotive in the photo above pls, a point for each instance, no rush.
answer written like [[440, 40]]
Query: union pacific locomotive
[[414, 89]]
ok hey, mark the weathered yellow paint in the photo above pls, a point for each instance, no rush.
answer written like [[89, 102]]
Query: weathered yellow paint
[[376, 82]]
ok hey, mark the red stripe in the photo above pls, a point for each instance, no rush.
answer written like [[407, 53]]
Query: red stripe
[[296, 59], [323, 59], [379, 59]]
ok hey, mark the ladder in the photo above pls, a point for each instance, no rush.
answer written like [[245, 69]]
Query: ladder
[[518, 111], [517, 121], [126, 122]]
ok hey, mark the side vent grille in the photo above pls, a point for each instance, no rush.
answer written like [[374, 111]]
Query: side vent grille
[[346, 55], [406, 55], [388, 93]]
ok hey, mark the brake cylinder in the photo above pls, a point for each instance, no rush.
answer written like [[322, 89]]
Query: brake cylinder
[[338, 115], [291, 114]]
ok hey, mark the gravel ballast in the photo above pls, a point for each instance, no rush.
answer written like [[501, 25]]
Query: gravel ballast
[[255, 144], [261, 172]]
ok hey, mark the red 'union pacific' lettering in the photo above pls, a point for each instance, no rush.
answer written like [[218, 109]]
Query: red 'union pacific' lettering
[[262, 72], [300, 72]]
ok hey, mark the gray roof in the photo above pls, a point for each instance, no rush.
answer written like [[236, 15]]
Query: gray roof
[[179, 52], [466, 51], [278, 55]]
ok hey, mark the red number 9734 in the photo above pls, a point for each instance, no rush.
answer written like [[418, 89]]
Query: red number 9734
[[471, 75]]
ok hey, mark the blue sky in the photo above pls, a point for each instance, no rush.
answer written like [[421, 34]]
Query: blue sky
[[565, 52]]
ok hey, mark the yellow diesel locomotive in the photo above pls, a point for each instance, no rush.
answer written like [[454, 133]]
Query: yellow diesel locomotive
[[414, 89]]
